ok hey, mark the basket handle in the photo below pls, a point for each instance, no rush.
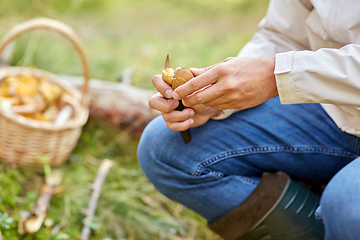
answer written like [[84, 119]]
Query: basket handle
[[62, 29]]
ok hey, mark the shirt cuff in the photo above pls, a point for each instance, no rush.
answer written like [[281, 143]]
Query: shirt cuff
[[284, 80], [224, 114]]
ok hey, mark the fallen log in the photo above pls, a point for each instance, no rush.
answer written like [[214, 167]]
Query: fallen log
[[118, 103]]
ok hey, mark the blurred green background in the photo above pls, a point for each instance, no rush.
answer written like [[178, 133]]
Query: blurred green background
[[118, 35]]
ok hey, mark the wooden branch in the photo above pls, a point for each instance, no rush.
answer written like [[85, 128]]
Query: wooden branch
[[33, 223], [100, 178], [118, 103]]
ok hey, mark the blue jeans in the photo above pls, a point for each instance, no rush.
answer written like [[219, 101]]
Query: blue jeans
[[224, 161]]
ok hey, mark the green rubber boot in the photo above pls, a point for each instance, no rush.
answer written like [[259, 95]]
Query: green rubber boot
[[278, 209]]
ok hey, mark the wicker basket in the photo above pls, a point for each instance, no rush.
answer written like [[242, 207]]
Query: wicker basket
[[24, 140]]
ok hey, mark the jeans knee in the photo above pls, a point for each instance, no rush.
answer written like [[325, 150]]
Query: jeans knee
[[340, 204], [153, 154], [341, 196], [335, 203], [147, 148]]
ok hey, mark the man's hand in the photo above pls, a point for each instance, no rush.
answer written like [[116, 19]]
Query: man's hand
[[177, 120], [235, 83]]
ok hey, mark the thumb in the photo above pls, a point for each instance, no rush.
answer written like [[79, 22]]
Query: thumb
[[197, 71]]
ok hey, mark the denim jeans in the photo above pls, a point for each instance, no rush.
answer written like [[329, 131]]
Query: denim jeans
[[223, 163]]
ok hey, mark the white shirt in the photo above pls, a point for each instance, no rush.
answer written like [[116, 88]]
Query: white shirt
[[317, 55]]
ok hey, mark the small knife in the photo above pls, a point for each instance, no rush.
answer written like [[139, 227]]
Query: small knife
[[186, 135]]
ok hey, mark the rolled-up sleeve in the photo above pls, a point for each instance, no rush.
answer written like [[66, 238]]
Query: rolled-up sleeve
[[323, 76]]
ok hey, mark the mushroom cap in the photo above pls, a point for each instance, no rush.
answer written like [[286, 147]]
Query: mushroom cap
[[181, 76]]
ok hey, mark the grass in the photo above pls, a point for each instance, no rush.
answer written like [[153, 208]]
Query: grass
[[129, 207], [117, 35]]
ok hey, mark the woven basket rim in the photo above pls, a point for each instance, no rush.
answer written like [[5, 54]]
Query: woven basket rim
[[81, 112]]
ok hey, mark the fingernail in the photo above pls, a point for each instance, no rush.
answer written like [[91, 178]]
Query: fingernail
[[168, 93], [192, 113], [191, 122], [175, 96]]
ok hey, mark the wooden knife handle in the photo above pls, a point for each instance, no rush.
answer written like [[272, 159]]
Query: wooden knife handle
[[186, 135]]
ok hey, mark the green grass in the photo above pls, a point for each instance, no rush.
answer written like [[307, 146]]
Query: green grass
[[117, 34], [129, 207]]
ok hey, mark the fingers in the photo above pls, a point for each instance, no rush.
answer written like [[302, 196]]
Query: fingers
[[175, 120], [180, 126], [179, 120], [179, 116], [194, 84], [203, 78], [210, 96], [163, 88], [162, 104]]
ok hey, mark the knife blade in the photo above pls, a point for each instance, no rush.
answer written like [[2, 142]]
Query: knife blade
[[167, 62]]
